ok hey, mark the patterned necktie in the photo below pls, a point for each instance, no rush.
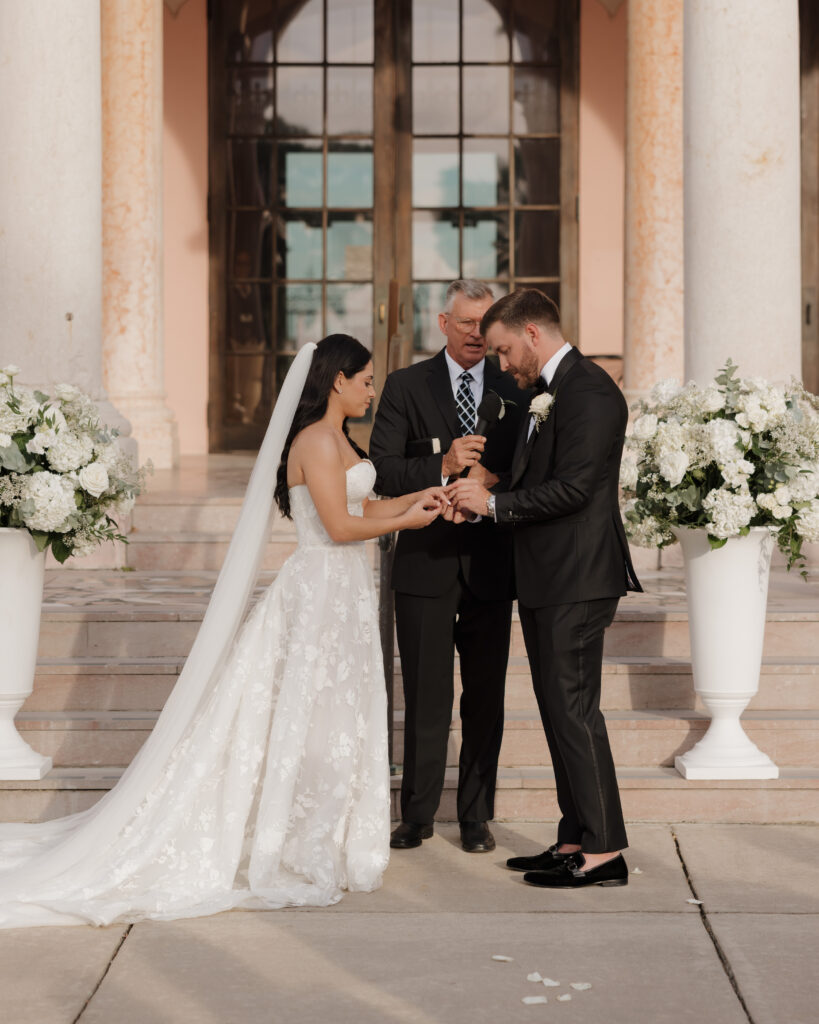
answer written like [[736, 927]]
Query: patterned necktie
[[465, 402]]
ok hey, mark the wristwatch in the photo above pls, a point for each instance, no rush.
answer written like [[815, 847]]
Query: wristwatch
[[490, 506]]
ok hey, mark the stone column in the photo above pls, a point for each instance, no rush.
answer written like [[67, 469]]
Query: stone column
[[50, 195], [133, 349], [742, 245], [654, 342]]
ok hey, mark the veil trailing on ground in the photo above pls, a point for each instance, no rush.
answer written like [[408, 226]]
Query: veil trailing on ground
[[74, 848]]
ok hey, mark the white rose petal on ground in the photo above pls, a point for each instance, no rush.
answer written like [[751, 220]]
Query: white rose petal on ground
[[698, 902], [550, 983], [636, 871], [565, 998], [503, 959], [581, 986], [533, 1000], [534, 977]]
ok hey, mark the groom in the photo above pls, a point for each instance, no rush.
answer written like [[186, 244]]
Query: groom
[[572, 565]]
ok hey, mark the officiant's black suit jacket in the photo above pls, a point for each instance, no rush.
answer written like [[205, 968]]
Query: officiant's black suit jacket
[[417, 405], [562, 493]]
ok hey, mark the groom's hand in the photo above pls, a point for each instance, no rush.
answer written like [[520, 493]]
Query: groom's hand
[[468, 496]]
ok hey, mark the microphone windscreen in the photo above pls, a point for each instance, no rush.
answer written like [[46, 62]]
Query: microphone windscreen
[[490, 409]]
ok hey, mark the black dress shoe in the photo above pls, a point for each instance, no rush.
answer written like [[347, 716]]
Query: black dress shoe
[[571, 874], [409, 835], [476, 837], [541, 862]]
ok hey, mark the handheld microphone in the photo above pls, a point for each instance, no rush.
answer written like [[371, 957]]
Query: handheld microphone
[[488, 415]]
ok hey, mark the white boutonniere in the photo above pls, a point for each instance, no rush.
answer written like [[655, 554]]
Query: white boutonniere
[[540, 407]]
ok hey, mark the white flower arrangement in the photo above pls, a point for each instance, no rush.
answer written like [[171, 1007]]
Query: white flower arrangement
[[540, 407], [725, 458], [63, 475]]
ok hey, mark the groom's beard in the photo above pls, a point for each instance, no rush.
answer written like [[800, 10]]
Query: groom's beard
[[528, 371]]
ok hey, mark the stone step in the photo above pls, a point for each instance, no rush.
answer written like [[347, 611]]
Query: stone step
[[137, 684], [195, 551], [638, 738], [641, 738], [119, 632], [523, 794]]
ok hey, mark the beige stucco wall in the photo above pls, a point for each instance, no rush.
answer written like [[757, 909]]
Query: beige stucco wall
[[602, 176], [185, 158], [602, 130]]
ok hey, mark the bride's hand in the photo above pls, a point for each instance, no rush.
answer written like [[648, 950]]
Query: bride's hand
[[422, 512]]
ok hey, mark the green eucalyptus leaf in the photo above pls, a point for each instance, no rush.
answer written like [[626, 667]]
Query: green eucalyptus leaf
[[717, 542], [60, 550], [40, 539], [12, 459]]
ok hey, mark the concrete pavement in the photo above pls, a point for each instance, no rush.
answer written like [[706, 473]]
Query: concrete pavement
[[420, 950]]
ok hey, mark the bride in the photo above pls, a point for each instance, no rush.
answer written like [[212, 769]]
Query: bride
[[265, 782]]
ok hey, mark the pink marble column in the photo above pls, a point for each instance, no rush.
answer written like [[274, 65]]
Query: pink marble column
[[133, 344], [654, 337]]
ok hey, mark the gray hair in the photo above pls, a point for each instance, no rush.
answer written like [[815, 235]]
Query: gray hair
[[469, 287]]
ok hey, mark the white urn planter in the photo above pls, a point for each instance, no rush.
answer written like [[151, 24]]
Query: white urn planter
[[727, 593], [21, 598]]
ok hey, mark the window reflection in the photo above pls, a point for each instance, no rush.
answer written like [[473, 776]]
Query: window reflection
[[484, 33], [486, 245], [435, 244], [537, 243], [536, 35], [250, 102], [350, 174], [300, 101], [486, 172], [350, 31], [435, 101], [349, 246], [300, 252], [249, 171], [249, 317], [350, 311], [300, 173], [429, 299], [537, 100], [537, 171], [486, 100], [435, 165], [435, 31], [300, 31], [249, 31], [249, 253], [349, 101], [298, 310]]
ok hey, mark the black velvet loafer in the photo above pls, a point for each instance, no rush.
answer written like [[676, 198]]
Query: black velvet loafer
[[476, 837], [409, 835], [540, 862], [571, 874]]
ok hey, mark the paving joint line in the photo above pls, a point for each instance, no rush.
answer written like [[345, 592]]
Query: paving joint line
[[104, 974], [726, 964]]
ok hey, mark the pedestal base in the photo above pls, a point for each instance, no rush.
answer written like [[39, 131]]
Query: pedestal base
[[692, 766], [35, 766]]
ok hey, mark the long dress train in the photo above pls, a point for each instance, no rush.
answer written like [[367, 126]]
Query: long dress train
[[277, 792]]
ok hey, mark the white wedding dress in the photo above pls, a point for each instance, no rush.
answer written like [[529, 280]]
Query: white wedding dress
[[274, 790]]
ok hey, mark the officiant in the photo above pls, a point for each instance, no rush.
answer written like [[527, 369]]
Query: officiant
[[453, 582]]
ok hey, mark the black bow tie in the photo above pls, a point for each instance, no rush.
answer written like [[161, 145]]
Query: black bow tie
[[540, 386]]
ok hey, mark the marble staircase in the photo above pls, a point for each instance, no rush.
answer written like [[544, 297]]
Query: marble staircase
[[114, 640]]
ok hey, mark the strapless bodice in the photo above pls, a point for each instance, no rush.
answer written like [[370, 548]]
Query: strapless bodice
[[309, 528]]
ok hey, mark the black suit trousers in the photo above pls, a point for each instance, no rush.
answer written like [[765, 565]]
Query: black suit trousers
[[565, 647], [429, 629]]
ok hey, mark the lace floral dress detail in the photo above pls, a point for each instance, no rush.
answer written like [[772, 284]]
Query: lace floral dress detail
[[278, 793]]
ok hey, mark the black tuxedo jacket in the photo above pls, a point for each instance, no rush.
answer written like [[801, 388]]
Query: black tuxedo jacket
[[417, 406], [562, 493]]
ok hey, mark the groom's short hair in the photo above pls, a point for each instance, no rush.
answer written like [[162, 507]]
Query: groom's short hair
[[520, 307]]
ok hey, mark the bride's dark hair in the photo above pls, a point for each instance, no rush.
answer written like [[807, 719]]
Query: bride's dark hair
[[337, 353]]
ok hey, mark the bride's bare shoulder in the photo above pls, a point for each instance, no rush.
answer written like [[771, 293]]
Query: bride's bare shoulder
[[318, 442]]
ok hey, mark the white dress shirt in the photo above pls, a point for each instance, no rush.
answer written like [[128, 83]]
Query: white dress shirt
[[475, 385], [547, 373]]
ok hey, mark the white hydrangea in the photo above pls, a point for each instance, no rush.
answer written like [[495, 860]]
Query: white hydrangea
[[760, 406], [805, 485], [723, 437], [44, 438], [628, 470], [645, 427], [93, 478], [5, 440], [736, 472], [47, 502], [11, 422], [776, 502], [70, 451], [712, 399], [728, 511], [664, 390], [648, 533], [808, 522]]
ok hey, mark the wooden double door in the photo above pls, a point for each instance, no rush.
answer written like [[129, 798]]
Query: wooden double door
[[363, 154]]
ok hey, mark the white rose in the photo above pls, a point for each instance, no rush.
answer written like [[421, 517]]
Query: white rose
[[807, 520], [93, 479], [645, 427], [672, 465], [67, 392], [628, 472], [712, 399], [11, 370], [736, 473], [5, 440]]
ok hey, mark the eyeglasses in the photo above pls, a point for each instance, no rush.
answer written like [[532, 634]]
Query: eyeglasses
[[465, 325]]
